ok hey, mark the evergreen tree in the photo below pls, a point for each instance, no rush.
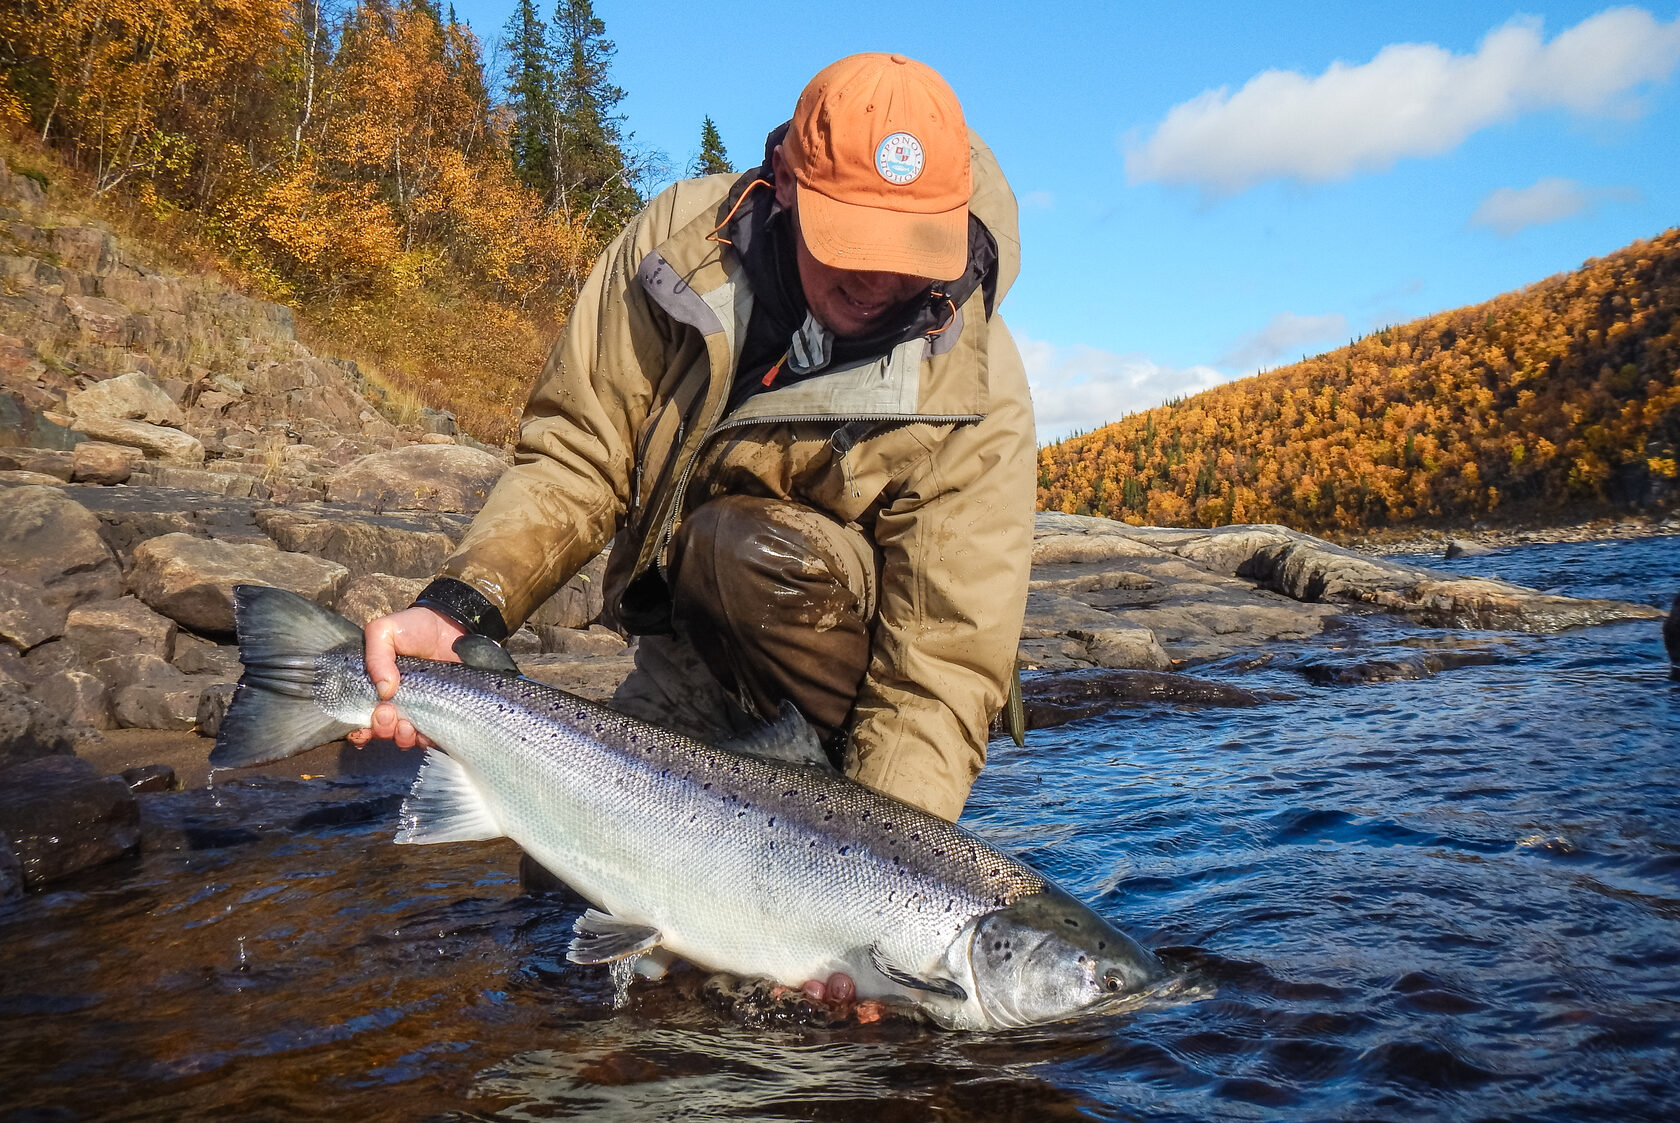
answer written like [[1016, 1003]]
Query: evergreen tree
[[532, 99], [591, 177], [712, 159]]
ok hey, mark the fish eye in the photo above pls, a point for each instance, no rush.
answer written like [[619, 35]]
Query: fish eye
[[1113, 984]]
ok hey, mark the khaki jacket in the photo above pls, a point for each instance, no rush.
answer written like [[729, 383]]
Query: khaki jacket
[[929, 451]]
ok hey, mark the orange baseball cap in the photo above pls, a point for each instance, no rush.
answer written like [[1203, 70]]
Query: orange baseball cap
[[879, 154]]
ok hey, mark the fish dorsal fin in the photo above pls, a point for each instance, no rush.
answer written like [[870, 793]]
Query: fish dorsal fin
[[950, 988], [603, 939], [790, 738], [445, 805], [485, 654]]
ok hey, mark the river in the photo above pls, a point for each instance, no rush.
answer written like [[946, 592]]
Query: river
[[1454, 897]]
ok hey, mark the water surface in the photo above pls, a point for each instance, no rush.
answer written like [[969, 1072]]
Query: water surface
[[1455, 897]]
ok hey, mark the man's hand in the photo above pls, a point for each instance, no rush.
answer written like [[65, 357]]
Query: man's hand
[[419, 632]]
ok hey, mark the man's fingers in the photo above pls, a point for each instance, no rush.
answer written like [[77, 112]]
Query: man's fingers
[[381, 655]]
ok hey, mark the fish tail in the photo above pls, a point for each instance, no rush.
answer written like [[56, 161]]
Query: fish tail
[[274, 713]]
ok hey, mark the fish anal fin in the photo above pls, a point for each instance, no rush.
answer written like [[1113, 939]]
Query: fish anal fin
[[604, 939], [445, 805], [485, 654], [950, 988]]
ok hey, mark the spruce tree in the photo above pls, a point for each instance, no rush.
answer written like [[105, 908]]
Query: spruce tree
[[712, 159], [591, 177], [532, 99]]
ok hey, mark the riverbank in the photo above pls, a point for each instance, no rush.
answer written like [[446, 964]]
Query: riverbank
[[1398, 541]]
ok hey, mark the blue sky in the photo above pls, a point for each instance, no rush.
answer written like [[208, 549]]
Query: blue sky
[[1212, 189]]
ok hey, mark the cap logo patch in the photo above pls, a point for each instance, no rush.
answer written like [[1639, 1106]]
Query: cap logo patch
[[899, 158]]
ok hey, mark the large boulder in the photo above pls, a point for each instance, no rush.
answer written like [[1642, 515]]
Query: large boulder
[[398, 545], [377, 594], [100, 462], [61, 817], [191, 580], [577, 603], [30, 729], [26, 619], [169, 445], [418, 478], [128, 397], [78, 697], [51, 541], [124, 626]]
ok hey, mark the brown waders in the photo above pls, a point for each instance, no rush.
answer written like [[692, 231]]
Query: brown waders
[[771, 603]]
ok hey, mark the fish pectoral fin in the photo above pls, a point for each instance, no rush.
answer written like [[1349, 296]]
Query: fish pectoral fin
[[950, 988], [603, 939], [485, 654], [445, 805], [789, 738]]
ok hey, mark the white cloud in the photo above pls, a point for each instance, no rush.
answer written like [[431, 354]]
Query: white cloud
[[1080, 388], [1413, 99], [1552, 199], [1286, 337]]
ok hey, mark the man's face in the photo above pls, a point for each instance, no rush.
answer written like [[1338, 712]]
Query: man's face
[[848, 302]]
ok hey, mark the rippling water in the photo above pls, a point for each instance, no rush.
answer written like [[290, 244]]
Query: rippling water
[[1449, 898]]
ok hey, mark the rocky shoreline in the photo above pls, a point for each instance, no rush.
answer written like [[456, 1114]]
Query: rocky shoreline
[[162, 439]]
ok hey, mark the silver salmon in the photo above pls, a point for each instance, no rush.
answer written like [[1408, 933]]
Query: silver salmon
[[724, 856]]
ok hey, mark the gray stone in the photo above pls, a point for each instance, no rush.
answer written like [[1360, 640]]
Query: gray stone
[[80, 697], [26, 619], [191, 580], [418, 478], [213, 706], [128, 397], [99, 462], [377, 594], [124, 626], [157, 707], [62, 817], [48, 539], [196, 656], [169, 445], [11, 871], [122, 671], [398, 545], [577, 603], [594, 640], [1464, 548], [524, 642], [29, 729], [146, 778]]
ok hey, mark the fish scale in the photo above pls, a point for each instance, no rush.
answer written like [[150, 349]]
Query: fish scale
[[760, 867]]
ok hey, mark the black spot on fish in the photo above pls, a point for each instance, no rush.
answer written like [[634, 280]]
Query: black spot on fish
[[772, 821], [1101, 946], [1070, 922], [845, 850], [706, 787]]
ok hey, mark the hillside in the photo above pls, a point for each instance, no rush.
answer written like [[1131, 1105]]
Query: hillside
[[1556, 401]]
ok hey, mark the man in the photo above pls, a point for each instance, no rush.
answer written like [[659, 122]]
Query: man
[[788, 395]]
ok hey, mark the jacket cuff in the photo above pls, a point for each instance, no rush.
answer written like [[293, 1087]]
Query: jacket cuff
[[465, 605]]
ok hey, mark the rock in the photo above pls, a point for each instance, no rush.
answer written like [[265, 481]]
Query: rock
[[20, 189], [11, 872], [158, 707], [595, 640], [122, 671], [398, 545], [1057, 699], [196, 656], [213, 706], [128, 397], [29, 729], [130, 515], [577, 603], [26, 619], [1123, 648], [56, 464], [147, 778], [169, 445], [49, 540], [79, 697], [124, 626], [27, 479], [62, 817], [418, 478], [1464, 548], [191, 580], [1671, 632], [98, 462], [524, 642], [377, 594]]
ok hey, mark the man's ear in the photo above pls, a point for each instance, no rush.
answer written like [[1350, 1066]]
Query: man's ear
[[784, 178]]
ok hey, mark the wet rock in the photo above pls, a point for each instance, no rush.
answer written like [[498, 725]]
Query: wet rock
[[151, 778], [1464, 548], [128, 397], [191, 580], [418, 478], [62, 817], [169, 445], [11, 871], [377, 594], [398, 545], [98, 462], [49, 540], [1671, 632], [213, 706], [78, 697], [26, 619], [124, 626], [1339, 669], [1056, 699]]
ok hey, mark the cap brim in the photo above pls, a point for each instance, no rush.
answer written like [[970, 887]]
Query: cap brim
[[847, 236]]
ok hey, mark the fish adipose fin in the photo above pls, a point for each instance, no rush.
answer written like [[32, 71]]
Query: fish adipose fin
[[602, 939], [790, 738], [948, 987], [485, 654], [445, 805], [273, 714]]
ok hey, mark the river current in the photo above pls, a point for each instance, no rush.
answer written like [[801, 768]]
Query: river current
[[1454, 897]]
